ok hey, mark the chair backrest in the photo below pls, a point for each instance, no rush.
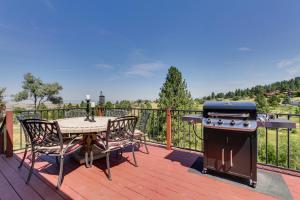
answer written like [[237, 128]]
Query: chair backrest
[[142, 123], [116, 113], [43, 133], [25, 117], [75, 113], [120, 129]]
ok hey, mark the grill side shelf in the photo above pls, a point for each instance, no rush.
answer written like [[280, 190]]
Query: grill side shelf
[[192, 118], [276, 123]]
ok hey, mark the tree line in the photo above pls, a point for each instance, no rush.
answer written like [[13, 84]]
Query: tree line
[[291, 86]]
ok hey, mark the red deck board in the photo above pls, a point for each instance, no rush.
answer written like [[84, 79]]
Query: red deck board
[[6, 190], [39, 185], [24, 190], [162, 174]]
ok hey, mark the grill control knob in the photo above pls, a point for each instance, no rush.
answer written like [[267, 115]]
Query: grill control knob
[[246, 123], [220, 122], [232, 123], [208, 121]]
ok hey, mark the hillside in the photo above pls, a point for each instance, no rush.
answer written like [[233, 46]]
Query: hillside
[[290, 87]]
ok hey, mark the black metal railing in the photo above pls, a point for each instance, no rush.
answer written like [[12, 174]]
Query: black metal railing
[[280, 147], [186, 135], [276, 147]]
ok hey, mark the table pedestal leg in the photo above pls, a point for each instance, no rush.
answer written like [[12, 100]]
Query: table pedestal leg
[[87, 154]]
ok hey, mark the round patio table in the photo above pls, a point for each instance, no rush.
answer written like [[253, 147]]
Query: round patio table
[[88, 129]]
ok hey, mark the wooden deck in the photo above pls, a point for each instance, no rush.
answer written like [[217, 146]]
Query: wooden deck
[[162, 174]]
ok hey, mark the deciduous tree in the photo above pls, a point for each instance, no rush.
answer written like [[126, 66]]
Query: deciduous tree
[[2, 104], [38, 91]]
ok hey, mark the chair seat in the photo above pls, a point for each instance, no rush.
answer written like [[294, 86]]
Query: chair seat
[[138, 133], [101, 135], [100, 143], [51, 150]]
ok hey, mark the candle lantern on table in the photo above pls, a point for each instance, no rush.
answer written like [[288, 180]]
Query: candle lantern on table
[[93, 111], [101, 104], [88, 99], [101, 99]]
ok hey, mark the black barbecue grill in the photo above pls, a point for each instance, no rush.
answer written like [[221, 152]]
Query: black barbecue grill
[[230, 137]]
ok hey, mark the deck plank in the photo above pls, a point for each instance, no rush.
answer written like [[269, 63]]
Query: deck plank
[[40, 186], [86, 187], [162, 174], [6, 190], [294, 185], [25, 191]]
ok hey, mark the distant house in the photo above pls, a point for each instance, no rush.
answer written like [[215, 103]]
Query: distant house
[[269, 94], [295, 103]]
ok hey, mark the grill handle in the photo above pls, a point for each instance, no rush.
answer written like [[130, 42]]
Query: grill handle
[[231, 115], [223, 162]]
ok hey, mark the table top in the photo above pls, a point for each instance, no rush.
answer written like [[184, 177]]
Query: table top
[[78, 125]]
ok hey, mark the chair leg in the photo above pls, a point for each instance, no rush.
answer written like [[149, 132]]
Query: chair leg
[[31, 167], [61, 171], [108, 166], [118, 154], [145, 143], [89, 158], [56, 160], [24, 156], [87, 163], [92, 158], [133, 154]]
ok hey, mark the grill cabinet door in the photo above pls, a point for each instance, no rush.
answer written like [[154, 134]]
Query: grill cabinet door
[[215, 147], [238, 154]]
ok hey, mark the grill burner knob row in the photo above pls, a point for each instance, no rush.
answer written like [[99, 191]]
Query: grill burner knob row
[[232, 123], [246, 123]]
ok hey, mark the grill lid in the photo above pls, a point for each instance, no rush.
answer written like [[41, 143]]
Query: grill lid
[[224, 105], [223, 109]]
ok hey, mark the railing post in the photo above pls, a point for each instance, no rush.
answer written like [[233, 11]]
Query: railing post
[[169, 129], [9, 126]]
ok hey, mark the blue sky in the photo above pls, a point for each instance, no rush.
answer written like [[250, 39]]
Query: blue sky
[[125, 47]]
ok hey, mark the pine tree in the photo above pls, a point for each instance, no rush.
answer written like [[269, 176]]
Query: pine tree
[[262, 104], [286, 99], [174, 93], [274, 101]]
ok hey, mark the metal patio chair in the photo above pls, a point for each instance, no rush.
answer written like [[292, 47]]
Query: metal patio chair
[[22, 118], [45, 138], [140, 131], [118, 136]]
